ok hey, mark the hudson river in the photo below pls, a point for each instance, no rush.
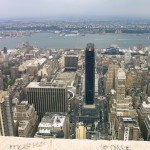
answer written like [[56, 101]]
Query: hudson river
[[50, 40]]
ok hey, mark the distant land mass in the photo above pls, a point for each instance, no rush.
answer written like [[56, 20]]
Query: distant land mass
[[130, 26], [75, 32]]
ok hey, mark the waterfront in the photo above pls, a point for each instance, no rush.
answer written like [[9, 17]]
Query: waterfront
[[51, 40]]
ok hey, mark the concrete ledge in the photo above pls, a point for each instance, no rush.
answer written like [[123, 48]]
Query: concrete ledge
[[16, 143]]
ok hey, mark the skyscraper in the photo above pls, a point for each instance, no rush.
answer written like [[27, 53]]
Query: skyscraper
[[89, 74], [121, 86], [6, 120]]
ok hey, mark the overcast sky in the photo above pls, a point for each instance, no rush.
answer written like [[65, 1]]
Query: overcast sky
[[79, 8]]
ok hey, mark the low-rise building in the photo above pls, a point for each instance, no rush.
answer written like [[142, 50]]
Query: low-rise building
[[128, 129], [70, 62], [32, 68], [53, 126], [80, 131]]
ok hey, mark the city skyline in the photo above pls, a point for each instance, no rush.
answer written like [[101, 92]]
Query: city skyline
[[73, 69], [75, 8]]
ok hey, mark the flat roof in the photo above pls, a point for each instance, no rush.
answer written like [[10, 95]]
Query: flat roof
[[52, 120], [121, 74], [131, 113], [67, 77], [70, 55], [23, 66], [37, 62], [45, 85], [127, 118], [24, 102], [146, 105], [89, 106]]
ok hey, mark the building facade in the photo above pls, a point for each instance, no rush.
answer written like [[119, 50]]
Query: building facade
[[1, 81], [128, 129], [121, 78], [47, 97], [80, 131], [146, 129], [143, 112], [70, 62], [89, 74], [6, 120], [26, 119], [133, 79], [110, 78]]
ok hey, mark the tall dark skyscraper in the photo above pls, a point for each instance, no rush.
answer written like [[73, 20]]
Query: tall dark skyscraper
[[89, 74]]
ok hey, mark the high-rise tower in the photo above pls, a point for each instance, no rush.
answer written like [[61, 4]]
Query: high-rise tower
[[6, 119], [89, 73], [89, 112]]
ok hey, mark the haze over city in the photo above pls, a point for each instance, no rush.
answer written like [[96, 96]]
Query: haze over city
[[76, 8]]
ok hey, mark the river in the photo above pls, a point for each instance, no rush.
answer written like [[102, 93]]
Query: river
[[51, 40]]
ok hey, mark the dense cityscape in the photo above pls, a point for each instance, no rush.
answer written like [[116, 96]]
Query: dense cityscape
[[74, 75], [82, 94]]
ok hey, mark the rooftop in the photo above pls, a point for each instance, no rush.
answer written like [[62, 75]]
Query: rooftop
[[45, 85], [146, 105], [92, 106], [23, 66], [23, 124], [37, 62], [131, 113], [121, 74], [70, 55], [24, 103], [67, 77], [52, 120]]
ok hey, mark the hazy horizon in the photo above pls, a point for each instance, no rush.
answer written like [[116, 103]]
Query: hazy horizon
[[74, 8]]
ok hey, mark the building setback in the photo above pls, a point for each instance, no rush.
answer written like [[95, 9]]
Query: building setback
[[26, 119], [47, 97]]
